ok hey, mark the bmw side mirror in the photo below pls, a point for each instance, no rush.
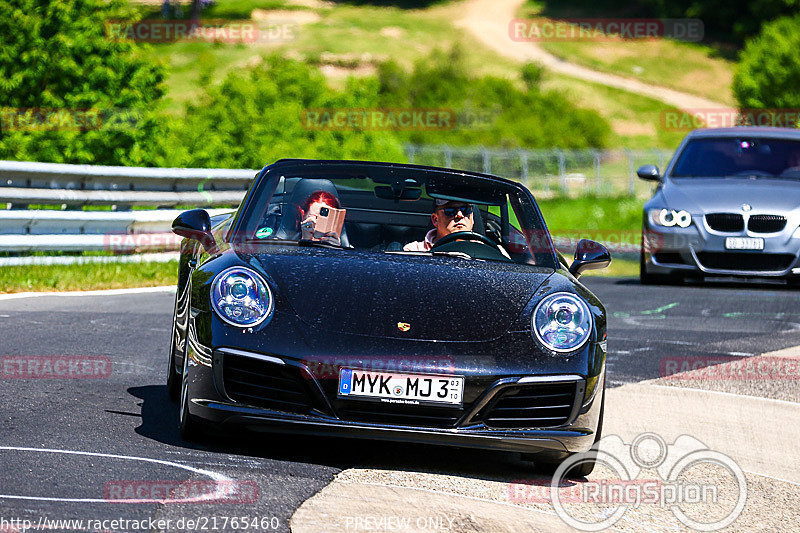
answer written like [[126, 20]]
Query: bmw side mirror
[[195, 224], [649, 173], [589, 255]]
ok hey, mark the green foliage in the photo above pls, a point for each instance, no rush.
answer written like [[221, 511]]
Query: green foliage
[[768, 75], [727, 20], [489, 110], [55, 55], [258, 117]]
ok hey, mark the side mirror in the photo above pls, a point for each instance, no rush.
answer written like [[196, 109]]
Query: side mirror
[[649, 173], [195, 224], [589, 255]]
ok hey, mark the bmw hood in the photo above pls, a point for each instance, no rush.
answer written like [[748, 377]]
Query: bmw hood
[[400, 296], [725, 195]]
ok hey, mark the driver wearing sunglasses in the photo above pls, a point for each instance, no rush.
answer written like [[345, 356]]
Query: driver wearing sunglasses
[[447, 217]]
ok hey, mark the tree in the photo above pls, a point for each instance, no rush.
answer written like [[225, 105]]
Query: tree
[[768, 75], [59, 62]]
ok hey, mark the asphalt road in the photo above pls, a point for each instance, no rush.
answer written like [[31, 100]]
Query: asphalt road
[[126, 428]]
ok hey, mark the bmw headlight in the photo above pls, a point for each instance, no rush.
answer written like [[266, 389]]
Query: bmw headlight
[[562, 322], [669, 218], [241, 297]]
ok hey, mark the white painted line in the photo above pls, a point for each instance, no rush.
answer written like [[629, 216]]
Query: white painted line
[[219, 493], [107, 292]]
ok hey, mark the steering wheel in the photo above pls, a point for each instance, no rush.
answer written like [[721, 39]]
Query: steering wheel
[[464, 236]]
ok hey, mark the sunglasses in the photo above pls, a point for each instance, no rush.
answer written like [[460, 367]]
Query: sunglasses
[[450, 212]]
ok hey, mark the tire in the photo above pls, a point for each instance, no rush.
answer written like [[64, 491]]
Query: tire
[[173, 378], [652, 279], [544, 465], [190, 428]]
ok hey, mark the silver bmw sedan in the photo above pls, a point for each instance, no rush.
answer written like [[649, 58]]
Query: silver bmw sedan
[[728, 204]]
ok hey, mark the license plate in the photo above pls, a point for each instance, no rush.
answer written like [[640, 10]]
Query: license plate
[[744, 243], [409, 389]]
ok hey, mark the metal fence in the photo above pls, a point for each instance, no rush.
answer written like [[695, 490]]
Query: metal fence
[[113, 212], [551, 172]]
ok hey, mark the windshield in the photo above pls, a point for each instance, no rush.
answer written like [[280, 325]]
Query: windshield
[[739, 157], [389, 210]]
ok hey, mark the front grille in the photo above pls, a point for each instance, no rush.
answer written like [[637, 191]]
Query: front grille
[[264, 384], [535, 406], [398, 414], [673, 258], [726, 222], [766, 223], [754, 262]]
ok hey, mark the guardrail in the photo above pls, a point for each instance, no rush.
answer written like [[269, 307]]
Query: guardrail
[[71, 209], [121, 210]]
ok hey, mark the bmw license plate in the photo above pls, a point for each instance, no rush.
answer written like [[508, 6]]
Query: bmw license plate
[[744, 243], [409, 389]]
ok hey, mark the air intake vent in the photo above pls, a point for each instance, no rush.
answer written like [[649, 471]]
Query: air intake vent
[[752, 262], [398, 415], [726, 222], [766, 223], [532, 406], [264, 384]]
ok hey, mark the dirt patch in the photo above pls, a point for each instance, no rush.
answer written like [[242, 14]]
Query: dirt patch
[[632, 127], [285, 16], [392, 32]]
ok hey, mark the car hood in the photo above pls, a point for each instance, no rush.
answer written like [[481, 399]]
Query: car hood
[[373, 294], [721, 195]]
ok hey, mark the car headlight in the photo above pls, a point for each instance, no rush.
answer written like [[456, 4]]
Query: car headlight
[[241, 297], [669, 218], [562, 322]]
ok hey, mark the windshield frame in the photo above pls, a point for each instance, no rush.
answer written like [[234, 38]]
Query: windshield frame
[[267, 182]]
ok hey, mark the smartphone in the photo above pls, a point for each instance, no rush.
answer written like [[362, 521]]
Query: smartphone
[[330, 220]]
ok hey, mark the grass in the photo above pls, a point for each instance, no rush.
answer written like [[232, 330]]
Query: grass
[[92, 276], [619, 268], [694, 68], [605, 214]]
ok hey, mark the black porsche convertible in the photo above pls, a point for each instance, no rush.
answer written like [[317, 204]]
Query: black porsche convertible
[[484, 339]]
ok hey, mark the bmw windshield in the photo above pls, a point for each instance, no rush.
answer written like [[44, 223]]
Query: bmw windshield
[[751, 157]]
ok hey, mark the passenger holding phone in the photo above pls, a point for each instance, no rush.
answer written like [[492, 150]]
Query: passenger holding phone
[[322, 218]]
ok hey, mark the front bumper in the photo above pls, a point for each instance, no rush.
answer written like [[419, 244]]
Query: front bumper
[[326, 415], [699, 250]]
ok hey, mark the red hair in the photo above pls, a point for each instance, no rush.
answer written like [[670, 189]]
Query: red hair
[[323, 197]]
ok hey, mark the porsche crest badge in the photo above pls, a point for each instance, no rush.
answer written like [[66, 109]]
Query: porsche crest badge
[[403, 326]]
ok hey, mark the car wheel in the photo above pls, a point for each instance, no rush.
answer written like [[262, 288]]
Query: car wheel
[[652, 279], [544, 465], [173, 377], [190, 428]]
